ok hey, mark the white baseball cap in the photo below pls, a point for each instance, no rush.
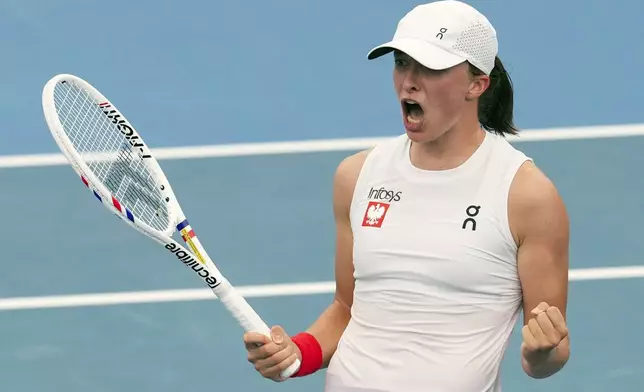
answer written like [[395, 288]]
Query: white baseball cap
[[443, 34]]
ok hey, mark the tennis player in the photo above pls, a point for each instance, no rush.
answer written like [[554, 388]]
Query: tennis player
[[443, 234]]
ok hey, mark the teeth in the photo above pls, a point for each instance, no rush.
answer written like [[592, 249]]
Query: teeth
[[412, 119], [410, 101]]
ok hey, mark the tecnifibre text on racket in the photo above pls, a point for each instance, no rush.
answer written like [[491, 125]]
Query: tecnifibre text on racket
[[120, 170]]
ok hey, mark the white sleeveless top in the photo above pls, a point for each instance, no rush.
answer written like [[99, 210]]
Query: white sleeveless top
[[436, 287]]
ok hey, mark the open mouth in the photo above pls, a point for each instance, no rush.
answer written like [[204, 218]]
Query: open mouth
[[412, 110]]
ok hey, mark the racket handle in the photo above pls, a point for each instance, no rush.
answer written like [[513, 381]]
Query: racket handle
[[248, 318]]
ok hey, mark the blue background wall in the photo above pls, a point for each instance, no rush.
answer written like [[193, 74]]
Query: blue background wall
[[202, 72]]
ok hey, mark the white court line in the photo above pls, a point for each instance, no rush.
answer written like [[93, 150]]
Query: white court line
[[322, 145], [260, 291]]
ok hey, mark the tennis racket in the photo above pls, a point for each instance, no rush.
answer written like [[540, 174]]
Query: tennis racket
[[120, 170]]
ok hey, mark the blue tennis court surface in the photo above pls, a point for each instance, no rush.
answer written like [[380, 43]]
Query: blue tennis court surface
[[199, 73]]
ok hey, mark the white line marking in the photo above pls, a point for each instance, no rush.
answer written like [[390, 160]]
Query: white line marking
[[306, 146], [635, 271], [261, 291]]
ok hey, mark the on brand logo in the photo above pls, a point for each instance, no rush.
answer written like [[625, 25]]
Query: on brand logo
[[471, 211], [442, 31]]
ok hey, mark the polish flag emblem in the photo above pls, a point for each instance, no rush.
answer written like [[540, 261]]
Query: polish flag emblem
[[375, 214]]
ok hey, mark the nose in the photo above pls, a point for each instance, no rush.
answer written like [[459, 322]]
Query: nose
[[410, 80]]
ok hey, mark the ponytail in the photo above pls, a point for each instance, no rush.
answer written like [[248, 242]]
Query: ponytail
[[495, 107]]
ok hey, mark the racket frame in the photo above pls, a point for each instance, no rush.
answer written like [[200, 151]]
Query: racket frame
[[196, 258]]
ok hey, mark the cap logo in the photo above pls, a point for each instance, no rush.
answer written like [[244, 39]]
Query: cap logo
[[442, 31]]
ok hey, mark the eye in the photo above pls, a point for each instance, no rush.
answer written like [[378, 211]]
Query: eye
[[400, 62]]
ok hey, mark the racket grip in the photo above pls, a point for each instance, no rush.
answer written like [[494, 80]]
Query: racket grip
[[248, 318]]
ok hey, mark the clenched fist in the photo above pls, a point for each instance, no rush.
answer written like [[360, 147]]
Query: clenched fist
[[544, 332], [271, 356]]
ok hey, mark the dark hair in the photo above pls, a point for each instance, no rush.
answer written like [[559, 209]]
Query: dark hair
[[496, 103]]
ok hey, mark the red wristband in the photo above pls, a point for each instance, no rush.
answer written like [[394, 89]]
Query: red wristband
[[311, 354]]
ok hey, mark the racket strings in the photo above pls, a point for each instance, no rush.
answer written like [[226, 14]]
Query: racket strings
[[109, 155]]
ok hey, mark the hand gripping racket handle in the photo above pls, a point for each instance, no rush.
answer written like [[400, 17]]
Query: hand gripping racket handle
[[228, 295], [248, 318]]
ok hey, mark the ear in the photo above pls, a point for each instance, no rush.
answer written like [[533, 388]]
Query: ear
[[478, 85]]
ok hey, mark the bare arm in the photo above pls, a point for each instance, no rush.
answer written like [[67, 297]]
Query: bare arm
[[330, 326], [271, 355], [541, 227]]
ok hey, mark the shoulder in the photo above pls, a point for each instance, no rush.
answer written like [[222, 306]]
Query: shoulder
[[535, 206], [349, 168], [346, 177]]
